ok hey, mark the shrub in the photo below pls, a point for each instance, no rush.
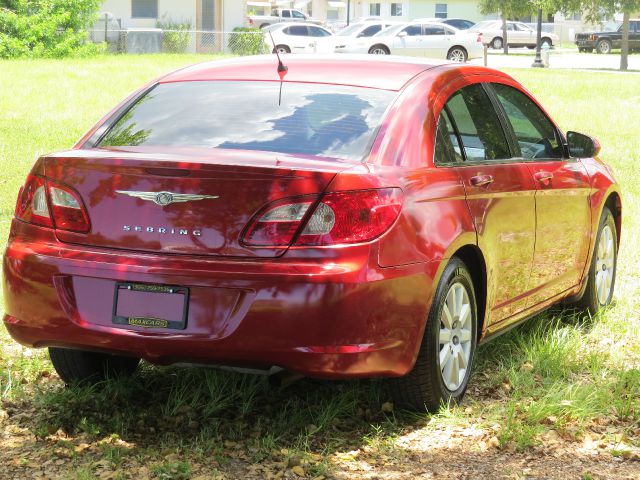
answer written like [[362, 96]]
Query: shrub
[[247, 41], [175, 35], [47, 28]]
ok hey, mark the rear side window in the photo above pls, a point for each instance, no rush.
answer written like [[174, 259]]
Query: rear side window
[[447, 150], [298, 30], [536, 135], [478, 125], [326, 120]]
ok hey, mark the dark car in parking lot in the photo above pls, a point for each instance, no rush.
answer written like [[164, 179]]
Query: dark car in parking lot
[[608, 38]]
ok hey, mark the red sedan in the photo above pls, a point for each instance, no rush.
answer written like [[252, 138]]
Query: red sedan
[[363, 217]]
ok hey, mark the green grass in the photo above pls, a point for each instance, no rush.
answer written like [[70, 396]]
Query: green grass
[[558, 372]]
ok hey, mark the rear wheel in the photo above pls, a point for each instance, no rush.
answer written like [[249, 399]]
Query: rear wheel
[[546, 41], [379, 50], [457, 54], [281, 49], [601, 278], [90, 367], [443, 368], [496, 43]]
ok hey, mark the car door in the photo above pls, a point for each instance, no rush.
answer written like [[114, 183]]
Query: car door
[[409, 41], [563, 212], [525, 35], [321, 40], [298, 39], [634, 34], [436, 41], [500, 194]]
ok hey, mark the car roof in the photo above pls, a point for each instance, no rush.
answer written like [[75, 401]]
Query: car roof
[[388, 73]]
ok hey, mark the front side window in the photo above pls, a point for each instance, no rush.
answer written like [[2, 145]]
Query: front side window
[[298, 31], [441, 10], [374, 9], [318, 32], [536, 135], [370, 31], [413, 30], [433, 30], [326, 120], [297, 14], [396, 9], [144, 8], [478, 125]]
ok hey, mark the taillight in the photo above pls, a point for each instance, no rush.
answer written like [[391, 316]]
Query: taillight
[[479, 39], [50, 204], [339, 218], [32, 203]]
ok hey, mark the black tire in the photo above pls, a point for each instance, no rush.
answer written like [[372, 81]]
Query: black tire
[[496, 43], [546, 40], [590, 301], [79, 366], [379, 50], [457, 54], [424, 386], [604, 46], [281, 48]]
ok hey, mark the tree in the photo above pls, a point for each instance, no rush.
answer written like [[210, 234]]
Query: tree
[[595, 10], [507, 9], [46, 28]]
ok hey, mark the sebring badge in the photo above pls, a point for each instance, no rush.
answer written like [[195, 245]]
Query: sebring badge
[[166, 198]]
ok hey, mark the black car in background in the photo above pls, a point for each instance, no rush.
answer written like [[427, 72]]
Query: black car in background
[[609, 38]]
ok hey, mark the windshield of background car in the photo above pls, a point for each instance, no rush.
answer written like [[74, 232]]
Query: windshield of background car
[[612, 27], [320, 120], [390, 31], [347, 31], [486, 25]]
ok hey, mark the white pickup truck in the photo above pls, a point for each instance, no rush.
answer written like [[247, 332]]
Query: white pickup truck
[[279, 15]]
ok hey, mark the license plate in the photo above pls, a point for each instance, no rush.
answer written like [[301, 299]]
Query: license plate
[[150, 306]]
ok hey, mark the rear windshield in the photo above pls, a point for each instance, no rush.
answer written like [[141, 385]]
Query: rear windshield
[[308, 119]]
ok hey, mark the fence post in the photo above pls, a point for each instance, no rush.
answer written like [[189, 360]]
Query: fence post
[[486, 54], [106, 25]]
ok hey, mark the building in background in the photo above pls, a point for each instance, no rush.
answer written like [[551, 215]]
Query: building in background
[[208, 15]]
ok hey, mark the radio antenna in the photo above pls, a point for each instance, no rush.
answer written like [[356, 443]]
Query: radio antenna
[[282, 68]]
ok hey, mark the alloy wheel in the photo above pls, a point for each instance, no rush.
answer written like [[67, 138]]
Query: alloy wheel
[[378, 51], [456, 55], [454, 337], [605, 265]]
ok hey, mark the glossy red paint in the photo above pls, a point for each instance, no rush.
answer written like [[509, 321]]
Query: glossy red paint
[[327, 311]]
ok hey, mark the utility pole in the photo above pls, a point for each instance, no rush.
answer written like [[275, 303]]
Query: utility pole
[[348, 12], [538, 61]]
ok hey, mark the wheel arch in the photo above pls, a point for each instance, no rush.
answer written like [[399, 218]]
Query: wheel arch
[[466, 52], [382, 45], [473, 258], [614, 204]]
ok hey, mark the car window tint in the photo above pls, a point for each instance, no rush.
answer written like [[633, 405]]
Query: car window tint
[[371, 31], [510, 27], [285, 14], [536, 135], [433, 30], [413, 30], [298, 30], [297, 14], [318, 32], [447, 148], [478, 125], [326, 120]]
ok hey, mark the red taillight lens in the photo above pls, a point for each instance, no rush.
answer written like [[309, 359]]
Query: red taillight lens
[[47, 203], [67, 208], [479, 39], [276, 226], [32, 203], [339, 218], [352, 217]]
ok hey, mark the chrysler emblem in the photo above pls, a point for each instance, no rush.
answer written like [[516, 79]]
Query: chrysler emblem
[[166, 198]]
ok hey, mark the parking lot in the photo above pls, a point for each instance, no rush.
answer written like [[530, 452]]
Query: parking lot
[[559, 58]]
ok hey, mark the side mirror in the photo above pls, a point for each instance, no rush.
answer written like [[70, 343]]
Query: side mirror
[[582, 146], [402, 34]]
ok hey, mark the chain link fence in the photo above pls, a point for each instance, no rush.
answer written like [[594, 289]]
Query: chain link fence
[[156, 40]]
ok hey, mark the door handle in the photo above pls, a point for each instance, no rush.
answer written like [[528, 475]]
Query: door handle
[[481, 180], [543, 177]]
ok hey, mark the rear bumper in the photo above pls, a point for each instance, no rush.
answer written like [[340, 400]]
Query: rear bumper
[[343, 318]]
